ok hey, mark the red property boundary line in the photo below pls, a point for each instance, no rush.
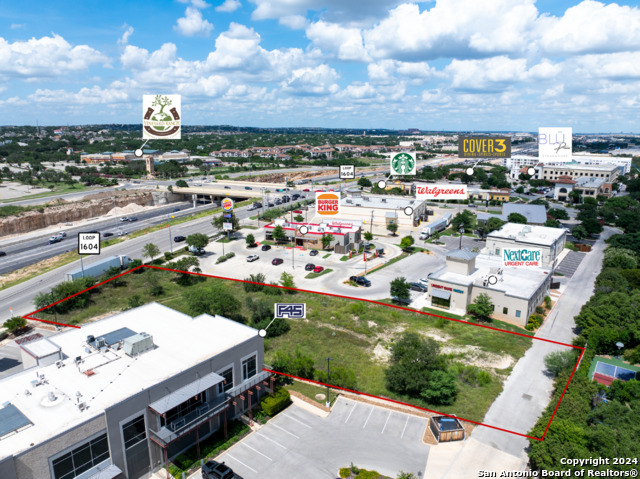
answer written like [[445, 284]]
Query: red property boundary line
[[582, 350]]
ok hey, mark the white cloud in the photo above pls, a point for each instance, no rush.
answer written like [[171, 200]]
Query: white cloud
[[591, 27], [196, 3], [387, 71], [624, 65], [238, 48], [193, 24], [85, 96], [212, 86], [346, 43], [18, 25], [229, 6], [343, 11], [295, 22], [312, 81], [124, 39], [488, 74], [359, 91], [46, 57]]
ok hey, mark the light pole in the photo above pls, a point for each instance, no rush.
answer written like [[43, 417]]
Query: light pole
[[461, 232], [115, 214], [170, 240], [328, 402], [371, 223]]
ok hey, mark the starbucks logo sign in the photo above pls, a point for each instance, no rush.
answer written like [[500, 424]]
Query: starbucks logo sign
[[161, 117], [403, 164]]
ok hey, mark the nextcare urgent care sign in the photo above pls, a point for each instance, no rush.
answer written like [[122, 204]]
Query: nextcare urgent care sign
[[441, 192], [521, 257]]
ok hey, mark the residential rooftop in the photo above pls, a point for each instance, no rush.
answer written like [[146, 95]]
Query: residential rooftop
[[528, 234], [107, 376], [517, 282]]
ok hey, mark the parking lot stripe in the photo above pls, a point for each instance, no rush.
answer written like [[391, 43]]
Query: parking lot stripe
[[350, 413], [275, 425], [365, 423], [256, 451], [294, 419], [405, 427], [239, 461], [271, 440], [385, 423]]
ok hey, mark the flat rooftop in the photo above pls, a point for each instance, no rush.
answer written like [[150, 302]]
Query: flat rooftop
[[517, 282], [180, 343], [385, 202], [589, 182], [581, 166], [528, 234]]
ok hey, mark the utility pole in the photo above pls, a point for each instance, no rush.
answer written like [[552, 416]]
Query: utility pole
[[170, 239], [328, 402], [371, 223]]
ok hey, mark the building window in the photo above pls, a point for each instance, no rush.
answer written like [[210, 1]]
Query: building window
[[505, 310], [134, 432], [517, 313], [227, 374], [81, 459], [248, 368], [182, 410]]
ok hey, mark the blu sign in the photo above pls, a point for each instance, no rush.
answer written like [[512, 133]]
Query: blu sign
[[291, 310], [521, 257], [554, 144]]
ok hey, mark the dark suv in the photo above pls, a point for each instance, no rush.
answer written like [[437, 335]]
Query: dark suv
[[360, 280], [216, 470]]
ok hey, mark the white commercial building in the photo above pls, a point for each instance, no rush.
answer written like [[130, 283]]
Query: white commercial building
[[382, 210], [127, 393], [514, 235]]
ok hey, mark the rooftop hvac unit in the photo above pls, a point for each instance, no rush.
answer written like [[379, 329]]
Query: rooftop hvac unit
[[82, 406], [138, 344], [384, 200], [59, 364]]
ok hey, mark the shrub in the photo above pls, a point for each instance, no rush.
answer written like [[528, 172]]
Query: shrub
[[135, 301], [273, 291], [535, 321], [276, 402], [339, 376], [134, 263], [547, 302], [559, 361], [15, 323], [167, 255], [539, 310]]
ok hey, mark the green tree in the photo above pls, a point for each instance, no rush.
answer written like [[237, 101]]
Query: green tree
[[413, 358], [481, 307], [364, 182], [400, 288], [15, 324], [299, 218], [442, 388], [296, 364], [220, 220], [552, 223], [327, 239], [592, 226], [112, 272], [392, 227], [184, 265], [250, 240], [407, 242], [559, 361], [520, 190], [579, 233], [213, 299], [368, 236], [517, 218], [279, 235], [150, 251], [250, 287], [182, 184], [464, 219], [286, 280], [619, 258], [559, 213], [338, 376], [154, 287], [198, 240]]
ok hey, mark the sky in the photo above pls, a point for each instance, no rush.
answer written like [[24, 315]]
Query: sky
[[487, 65]]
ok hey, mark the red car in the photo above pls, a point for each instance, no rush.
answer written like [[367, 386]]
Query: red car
[[306, 189], [318, 269], [297, 211]]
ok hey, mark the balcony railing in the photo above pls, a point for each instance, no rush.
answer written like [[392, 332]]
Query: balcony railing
[[184, 424], [251, 382]]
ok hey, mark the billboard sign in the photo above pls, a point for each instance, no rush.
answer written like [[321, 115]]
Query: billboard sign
[[327, 204], [227, 204], [484, 147], [520, 257], [441, 192], [161, 117], [555, 144], [403, 164]]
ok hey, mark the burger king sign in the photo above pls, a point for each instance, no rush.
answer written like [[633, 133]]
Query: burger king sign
[[327, 204], [227, 204]]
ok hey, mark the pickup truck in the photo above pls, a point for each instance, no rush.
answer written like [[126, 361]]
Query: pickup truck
[[216, 470], [360, 281]]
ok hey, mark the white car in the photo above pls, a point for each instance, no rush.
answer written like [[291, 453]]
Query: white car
[[252, 258], [424, 281]]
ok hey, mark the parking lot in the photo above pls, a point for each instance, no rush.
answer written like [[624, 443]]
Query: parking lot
[[298, 443]]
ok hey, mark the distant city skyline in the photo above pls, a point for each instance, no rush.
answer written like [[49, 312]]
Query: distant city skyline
[[445, 65]]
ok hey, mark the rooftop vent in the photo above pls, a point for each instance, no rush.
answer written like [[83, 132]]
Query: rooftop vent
[[138, 344]]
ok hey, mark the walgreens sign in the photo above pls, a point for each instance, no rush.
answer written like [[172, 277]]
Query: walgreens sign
[[327, 204], [441, 192]]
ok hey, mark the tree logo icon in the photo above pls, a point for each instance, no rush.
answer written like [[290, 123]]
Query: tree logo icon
[[403, 164], [158, 123]]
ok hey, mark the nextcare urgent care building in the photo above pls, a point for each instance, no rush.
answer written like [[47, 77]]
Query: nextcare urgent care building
[[515, 292], [514, 235]]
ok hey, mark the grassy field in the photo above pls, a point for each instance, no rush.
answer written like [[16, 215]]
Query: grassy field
[[60, 189], [358, 335], [310, 391]]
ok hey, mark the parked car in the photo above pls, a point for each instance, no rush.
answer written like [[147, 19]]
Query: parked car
[[306, 189], [295, 196], [309, 266], [252, 258], [472, 205], [179, 239], [278, 201], [271, 205], [277, 261], [297, 211], [360, 280], [404, 301], [286, 199], [3, 253], [266, 247], [318, 269], [418, 287], [424, 281], [314, 252], [106, 235]]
